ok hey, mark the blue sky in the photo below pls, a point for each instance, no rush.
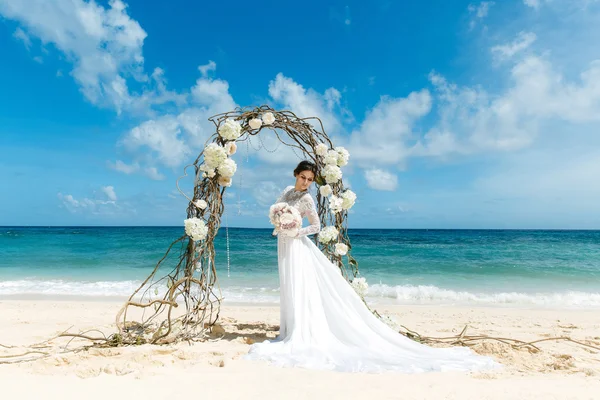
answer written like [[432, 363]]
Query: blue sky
[[456, 114]]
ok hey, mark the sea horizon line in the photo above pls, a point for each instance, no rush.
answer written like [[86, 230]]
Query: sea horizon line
[[270, 228]]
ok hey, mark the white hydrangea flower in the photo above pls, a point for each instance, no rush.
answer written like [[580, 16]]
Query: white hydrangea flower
[[321, 149], [255, 123], [325, 190], [214, 155], [208, 171], [225, 181], [268, 118], [343, 156], [227, 168], [360, 286], [335, 204], [230, 130], [195, 228], [331, 158], [348, 199], [328, 234], [341, 249], [332, 173], [201, 204], [230, 148]]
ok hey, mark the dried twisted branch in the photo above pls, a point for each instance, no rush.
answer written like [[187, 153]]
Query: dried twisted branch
[[463, 339]]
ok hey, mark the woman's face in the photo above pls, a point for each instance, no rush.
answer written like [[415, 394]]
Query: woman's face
[[304, 179]]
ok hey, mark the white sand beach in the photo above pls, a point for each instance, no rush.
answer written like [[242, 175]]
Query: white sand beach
[[215, 369]]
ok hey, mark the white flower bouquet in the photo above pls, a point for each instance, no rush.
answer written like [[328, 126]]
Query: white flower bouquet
[[328, 234], [325, 190], [230, 130], [255, 123], [286, 219], [321, 149], [335, 204], [348, 199], [196, 229], [341, 249], [201, 204], [331, 158], [332, 173], [343, 156], [230, 148], [227, 168], [214, 155], [360, 286], [268, 118]]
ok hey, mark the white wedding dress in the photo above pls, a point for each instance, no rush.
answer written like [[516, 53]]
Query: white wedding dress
[[324, 324]]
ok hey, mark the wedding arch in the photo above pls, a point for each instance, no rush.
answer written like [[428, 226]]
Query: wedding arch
[[181, 298]]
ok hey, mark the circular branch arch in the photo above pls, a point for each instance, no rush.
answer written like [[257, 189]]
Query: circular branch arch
[[181, 298]]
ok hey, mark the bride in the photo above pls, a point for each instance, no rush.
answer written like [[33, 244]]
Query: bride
[[324, 324]]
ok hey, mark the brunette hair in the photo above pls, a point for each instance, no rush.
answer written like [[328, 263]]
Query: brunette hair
[[306, 166]]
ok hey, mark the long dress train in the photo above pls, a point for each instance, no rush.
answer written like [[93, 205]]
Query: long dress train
[[324, 324]]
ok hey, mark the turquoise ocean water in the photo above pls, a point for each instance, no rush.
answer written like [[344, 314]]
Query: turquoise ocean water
[[473, 267]]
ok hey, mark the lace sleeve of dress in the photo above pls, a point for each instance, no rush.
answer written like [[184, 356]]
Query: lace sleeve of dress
[[307, 208]]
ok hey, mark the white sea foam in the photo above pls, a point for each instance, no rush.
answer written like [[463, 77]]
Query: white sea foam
[[377, 293], [408, 294], [101, 289], [68, 288]]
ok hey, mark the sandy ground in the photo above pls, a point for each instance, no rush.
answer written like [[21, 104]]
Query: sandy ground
[[215, 369]]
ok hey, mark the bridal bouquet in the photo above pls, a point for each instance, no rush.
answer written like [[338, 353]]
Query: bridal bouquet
[[286, 219]]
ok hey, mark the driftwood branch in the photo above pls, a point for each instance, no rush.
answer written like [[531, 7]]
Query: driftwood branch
[[463, 339]]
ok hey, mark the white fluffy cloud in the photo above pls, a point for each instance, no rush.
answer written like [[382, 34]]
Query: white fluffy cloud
[[537, 4], [173, 139], [521, 42], [128, 169], [479, 12], [103, 43], [472, 120], [74, 205], [384, 136], [109, 191], [266, 193], [307, 102], [332, 97], [205, 69], [577, 4], [380, 179], [124, 167], [213, 93], [153, 173], [100, 204], [162, 137], [22, 36]]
